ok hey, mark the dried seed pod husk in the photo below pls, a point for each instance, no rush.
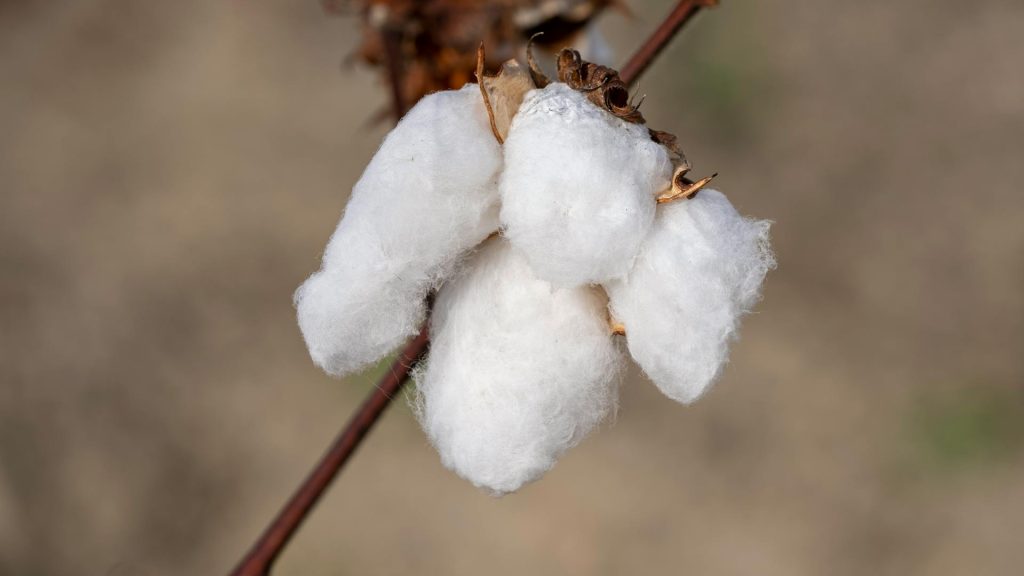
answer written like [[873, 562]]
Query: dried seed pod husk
[[600, 84], [503, 92]]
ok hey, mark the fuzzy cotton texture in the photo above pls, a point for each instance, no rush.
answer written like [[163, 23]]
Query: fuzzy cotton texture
[[428, 195], [578, 187], [698, 272], [518, 371]]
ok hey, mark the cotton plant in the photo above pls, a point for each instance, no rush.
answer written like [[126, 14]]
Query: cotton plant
[[561, 236]]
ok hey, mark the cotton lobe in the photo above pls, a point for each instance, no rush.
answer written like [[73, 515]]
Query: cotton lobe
[[700, 269], [428, 195], [578, 188], [518, 372]]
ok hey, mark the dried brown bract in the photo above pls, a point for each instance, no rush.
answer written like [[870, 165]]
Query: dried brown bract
[[601, 84], [682, 187], [671, 142], [502, 93]]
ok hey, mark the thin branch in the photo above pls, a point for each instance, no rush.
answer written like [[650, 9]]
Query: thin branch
[[265, 551], [393, 54], [656, 42], [259, 560]]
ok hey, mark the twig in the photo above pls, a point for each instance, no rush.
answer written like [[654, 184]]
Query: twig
[[656, 42], [393, 53], [259, 560], [265, 551]]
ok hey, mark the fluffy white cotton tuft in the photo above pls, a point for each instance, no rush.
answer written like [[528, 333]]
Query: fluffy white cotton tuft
[[518, 371], [578, 187], [429, 194], [700, 269]]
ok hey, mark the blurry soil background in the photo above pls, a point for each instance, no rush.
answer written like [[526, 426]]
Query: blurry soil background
[[170, 172]]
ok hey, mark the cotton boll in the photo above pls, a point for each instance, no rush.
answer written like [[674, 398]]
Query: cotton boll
[[518, 372], [428, 195], [700, 269], [579, 186]]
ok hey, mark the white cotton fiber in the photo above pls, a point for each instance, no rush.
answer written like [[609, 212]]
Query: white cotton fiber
[[579, 186], [429, 194], [518, 371], [699, 270]]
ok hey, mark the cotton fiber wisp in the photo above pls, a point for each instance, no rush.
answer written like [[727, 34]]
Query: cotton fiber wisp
[[518, 371], [429, 194], [700, 269], [578, 188]]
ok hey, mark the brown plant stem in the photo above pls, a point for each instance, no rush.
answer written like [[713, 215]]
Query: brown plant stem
[[393, 53], [266, 550], [259, 560], [656, 42]]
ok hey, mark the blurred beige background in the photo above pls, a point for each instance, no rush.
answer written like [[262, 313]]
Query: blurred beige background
[[170, 171]]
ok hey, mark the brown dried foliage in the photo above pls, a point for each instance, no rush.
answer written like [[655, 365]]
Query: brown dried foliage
[[430, 45]]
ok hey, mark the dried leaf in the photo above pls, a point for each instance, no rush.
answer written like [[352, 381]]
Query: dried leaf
[[438, 38], [504, 94]]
